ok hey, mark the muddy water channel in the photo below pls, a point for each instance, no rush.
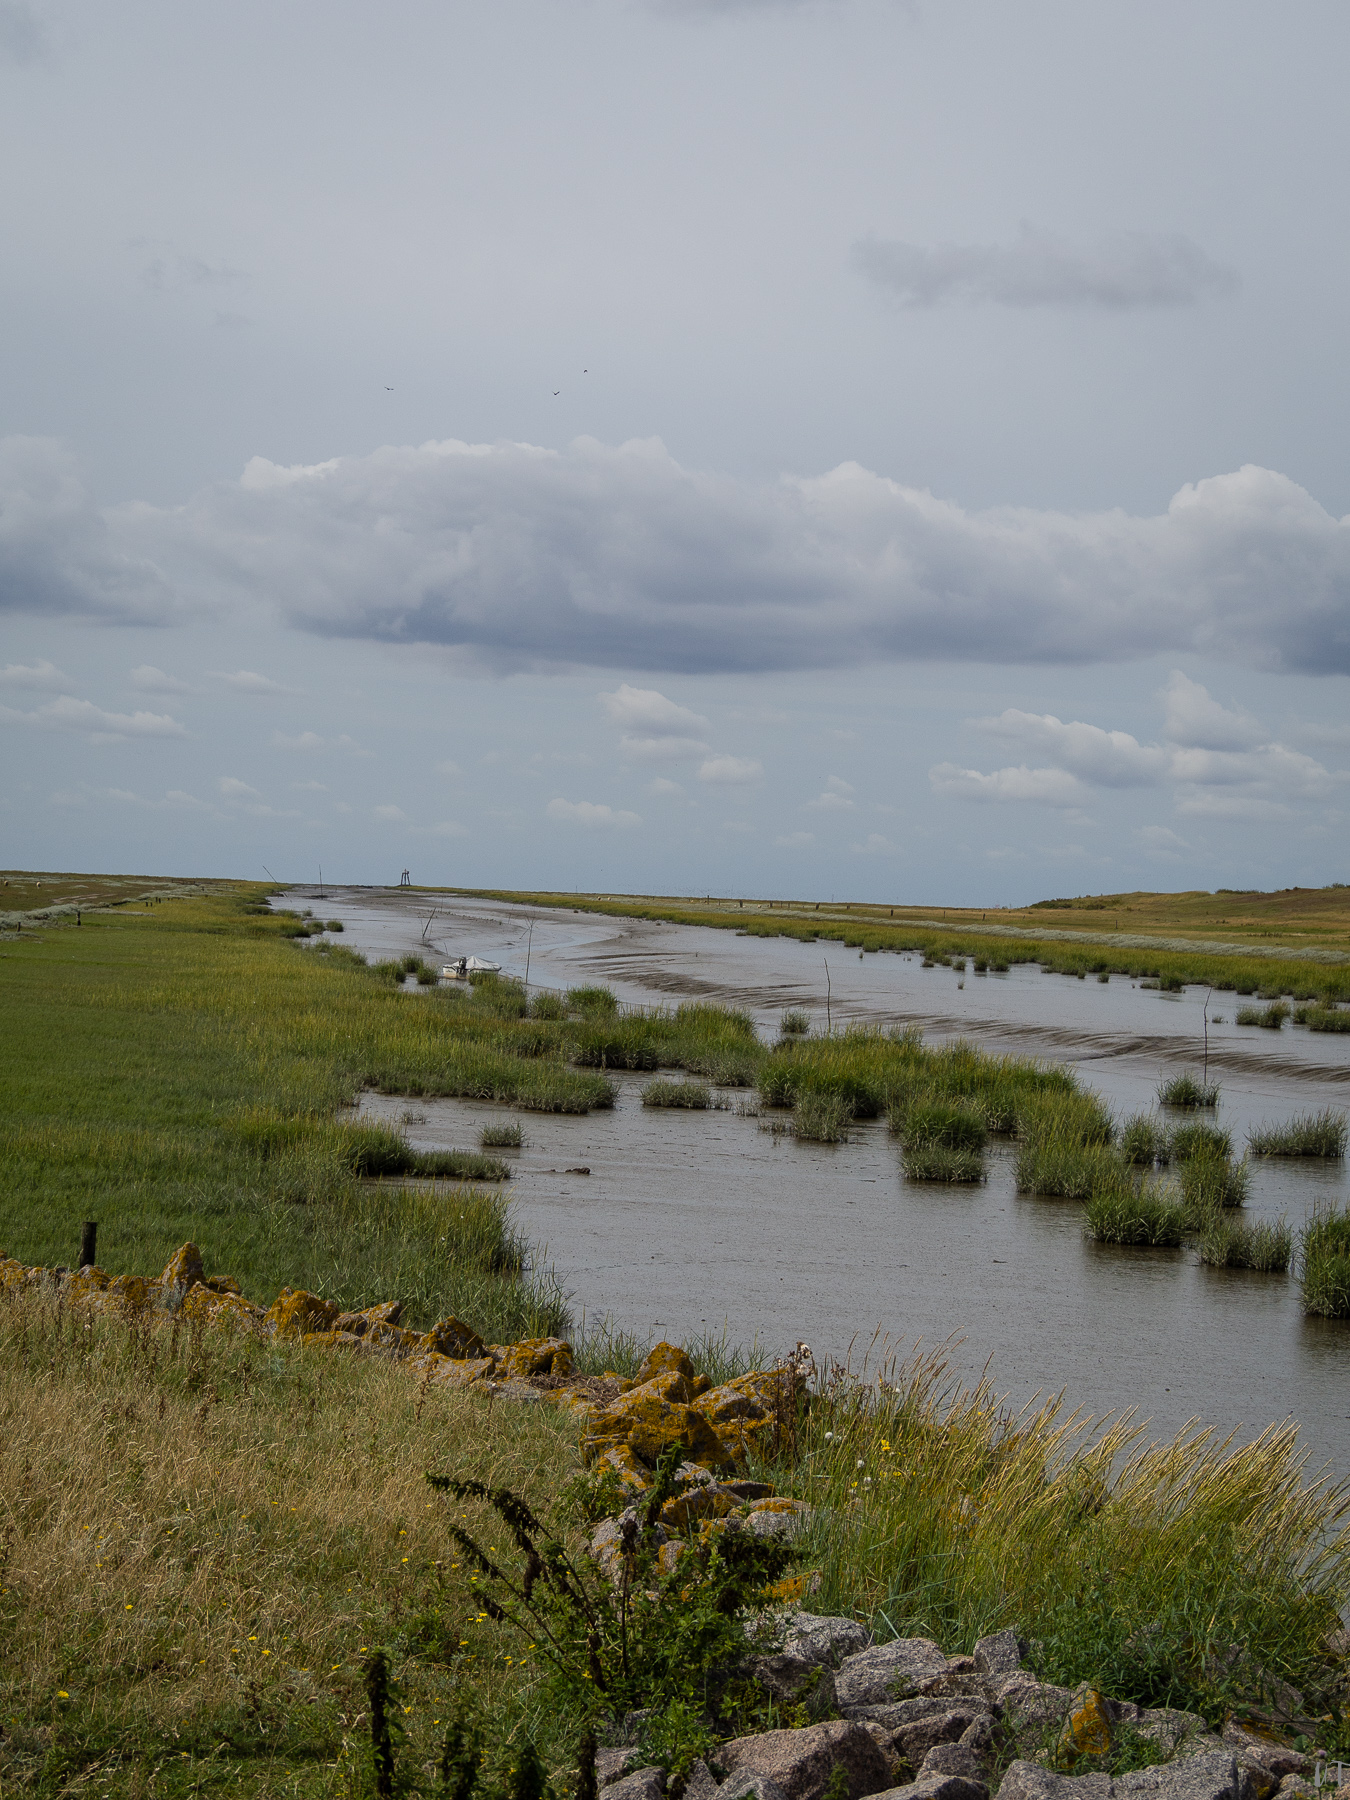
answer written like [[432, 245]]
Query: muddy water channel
[[690, 1221]]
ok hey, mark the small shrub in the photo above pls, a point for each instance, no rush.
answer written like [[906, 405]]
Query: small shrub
[[928, 1161], [946, 1127], [1307, 1134], [795, 1023], [1136, 1216], [1200, 1140], [1232, 1244], [1271, 1017], [1185, 1091], [1324, 1264], [1209, 1183], [690, 1094], [821, 1118], [335, 925], [501, 1137]]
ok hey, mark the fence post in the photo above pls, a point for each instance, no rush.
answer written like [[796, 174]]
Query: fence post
[[88, 1244]]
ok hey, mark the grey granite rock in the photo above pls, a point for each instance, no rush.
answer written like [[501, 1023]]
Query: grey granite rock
[[887, 1672], [642, 1784], [802, 1761], [1000, 1653]]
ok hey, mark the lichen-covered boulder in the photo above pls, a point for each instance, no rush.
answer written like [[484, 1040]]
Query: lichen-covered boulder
[[388, 1312], [226, 1310], [453, 1371], [660, 1360], [133, 1292], [1087, 1730], [653, 1417], [13, 1273], [699, 1503], [182, 1271], [83, 1283], [294, 1313], [222, 1284], [634, 1475], [452, 1337], [533, 1356]]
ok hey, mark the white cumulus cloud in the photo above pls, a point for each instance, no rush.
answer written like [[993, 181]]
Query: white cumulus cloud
[[590, 813], [147, 679], [731, 771], [1107, 758], [68, 714], [1046, 787]]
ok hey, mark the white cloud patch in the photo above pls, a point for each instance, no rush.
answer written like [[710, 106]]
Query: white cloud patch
[[1192, 718], [249, 681], [1135, 269], [41, 674], [233, 789], [590, 813], [830, 801], [311, 741], [661, 785], [663, 749], [645, 711], [618, 557], [1106, 758], [731, 771], [795, 840], [147, 679], [1044, 787], [68, 714]]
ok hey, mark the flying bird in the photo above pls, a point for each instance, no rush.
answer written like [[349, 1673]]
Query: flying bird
[[556, 392], [389, 390]]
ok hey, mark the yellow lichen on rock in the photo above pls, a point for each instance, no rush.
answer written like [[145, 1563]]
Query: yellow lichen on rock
[[653, 1417], [218, 1308], [699, 1503], [183, 1270], [660, 1360], [533, 1356], [452, 1337], [295, 1312], [1087, 1731]]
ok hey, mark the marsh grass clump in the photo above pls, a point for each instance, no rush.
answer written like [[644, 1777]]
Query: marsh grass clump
[[1062, 1170], [501, 1137], [1326, 1018], [1211, 1183], [1324, 1263], [1235, 1244], [335, 925], [1184, 1091], [1145, 1140], [930, 1161], [690, 1094], [1271, 1017], [943, 1126], [592, 1001], [1139, 1216], [821, 1118], [1199, 1139], [1307, 1134], [794, 1023], [546, 1005]]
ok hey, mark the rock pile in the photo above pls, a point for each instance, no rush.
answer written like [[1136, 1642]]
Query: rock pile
[[917, 1724]]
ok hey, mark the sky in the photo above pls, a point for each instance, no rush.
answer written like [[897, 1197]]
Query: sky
[[867, 449]]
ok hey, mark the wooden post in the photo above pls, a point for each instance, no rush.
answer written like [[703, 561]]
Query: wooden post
[[88, 1243]]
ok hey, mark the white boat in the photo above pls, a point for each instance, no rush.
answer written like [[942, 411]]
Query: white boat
[[464, 966]]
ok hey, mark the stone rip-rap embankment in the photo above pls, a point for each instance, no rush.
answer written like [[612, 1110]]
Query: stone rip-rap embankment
[[901, 1719]]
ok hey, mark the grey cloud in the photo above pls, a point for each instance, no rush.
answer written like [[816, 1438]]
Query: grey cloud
[[617, 557], [1201, 723], [1132, 270], [41, 674], [22, 37], [58, 553]]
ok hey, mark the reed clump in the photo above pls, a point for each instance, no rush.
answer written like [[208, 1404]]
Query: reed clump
[[1308, 1134], [1325, 1018], [1133, 1565], [794, 1023], [1186, 1092], [928, 1161], [1271, 1017], [1199, 1139], [1211, 1183], [1237, 1244], [1324, 1263], [1145, 1141], [690, 1094], [1143, 1216], [502, 1137], [821, 1118]]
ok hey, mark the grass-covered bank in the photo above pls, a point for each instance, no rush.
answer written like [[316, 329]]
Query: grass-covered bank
[[1326, 983]]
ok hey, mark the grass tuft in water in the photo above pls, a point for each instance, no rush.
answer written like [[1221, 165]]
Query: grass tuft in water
[[1210, 1183], [1325, 1018], [1324, 1263], [1270, 1017], [1137, 1216], [1307, 1134], [1145, 1140], [1198, 1139], [795, 1023], [692, 1094], [1186, 1092], [1234, 1244], [929, 1161], [821, 1118], [501, 1137]]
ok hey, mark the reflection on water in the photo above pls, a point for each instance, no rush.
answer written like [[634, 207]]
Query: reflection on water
[[688, 1220]]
